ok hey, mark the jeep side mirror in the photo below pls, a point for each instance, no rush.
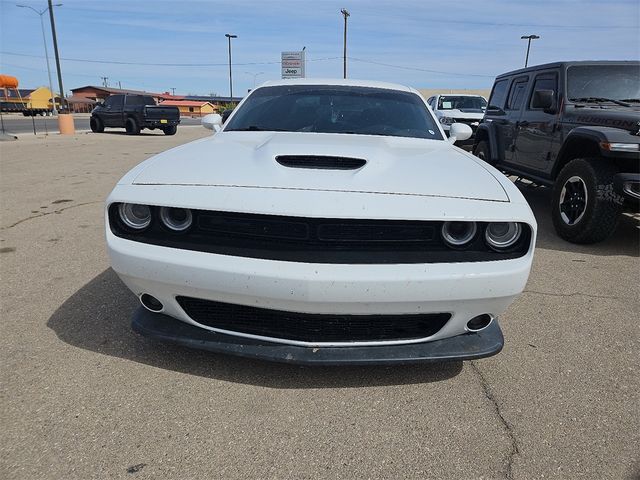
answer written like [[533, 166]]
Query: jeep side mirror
[[225, 115], [213, 121], [544, 99]]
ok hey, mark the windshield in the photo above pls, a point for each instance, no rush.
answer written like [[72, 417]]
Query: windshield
[[456, 102], [335, 109], [616, 82]]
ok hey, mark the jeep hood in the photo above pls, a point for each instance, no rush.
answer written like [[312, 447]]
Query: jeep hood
[[394, 165]]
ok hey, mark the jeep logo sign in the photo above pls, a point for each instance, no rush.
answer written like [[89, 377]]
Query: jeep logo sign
[[293, 64]]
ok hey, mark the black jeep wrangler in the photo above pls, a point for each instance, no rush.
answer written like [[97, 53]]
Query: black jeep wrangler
[[134, 112], [575, 127]]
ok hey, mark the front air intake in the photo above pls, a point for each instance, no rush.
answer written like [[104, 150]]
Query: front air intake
[[320, 162]]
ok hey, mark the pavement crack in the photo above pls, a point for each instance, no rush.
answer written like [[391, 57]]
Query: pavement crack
[[513, 449], [573, 294], [44, 214]]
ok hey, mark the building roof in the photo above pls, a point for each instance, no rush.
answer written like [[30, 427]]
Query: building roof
[[185, 103], [78, 99], [24, 92], [115, 91], [212, 99]]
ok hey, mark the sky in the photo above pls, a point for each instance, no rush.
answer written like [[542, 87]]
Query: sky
[[159, 45]]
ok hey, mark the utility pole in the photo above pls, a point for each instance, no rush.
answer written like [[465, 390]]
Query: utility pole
[[55, 51], [46, 52], [119, 85], [229, 36], [173, 91], [104, 81], [529, 38], [346, 14]]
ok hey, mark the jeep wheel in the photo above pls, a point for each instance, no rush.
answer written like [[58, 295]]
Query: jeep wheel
[[585, 207], [482, 151], [132, 127], [96, 125], [170, 130]]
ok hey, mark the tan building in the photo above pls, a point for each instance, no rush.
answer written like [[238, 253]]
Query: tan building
[[191, 108], [36, 99], [429, 92]]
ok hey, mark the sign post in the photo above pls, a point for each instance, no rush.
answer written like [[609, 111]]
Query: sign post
[[293, 64]]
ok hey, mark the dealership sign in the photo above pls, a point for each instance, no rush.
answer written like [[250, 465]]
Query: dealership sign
[[293, 64]]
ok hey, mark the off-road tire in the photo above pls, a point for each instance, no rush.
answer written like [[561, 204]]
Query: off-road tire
[[170, 129], [132, 127], [96, 125], [603, 205], [482, 151]]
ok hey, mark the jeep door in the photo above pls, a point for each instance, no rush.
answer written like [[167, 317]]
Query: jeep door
[[538, 128], [508, 128]]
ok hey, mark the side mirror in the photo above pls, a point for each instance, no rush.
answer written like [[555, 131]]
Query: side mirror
[[213, 121], [226, 115], [459, 132], [544, 99]]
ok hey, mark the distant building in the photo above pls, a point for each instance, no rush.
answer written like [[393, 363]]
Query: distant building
[[192, 108], [23, 98], [428, 92]]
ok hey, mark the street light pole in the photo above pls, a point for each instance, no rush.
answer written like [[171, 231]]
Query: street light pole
[[346, 14], [46, 52], [529, 38], [255, 75], [229, 36]]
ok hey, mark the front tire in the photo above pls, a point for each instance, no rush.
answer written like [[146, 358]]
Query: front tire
[[132, 127], [96, 125], [482, 151], [170, 129], [585, 207]]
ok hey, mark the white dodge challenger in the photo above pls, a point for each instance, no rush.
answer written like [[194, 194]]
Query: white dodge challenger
[[326, 222]]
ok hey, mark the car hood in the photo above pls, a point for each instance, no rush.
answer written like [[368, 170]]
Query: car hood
[[395, 165], [606, 115]]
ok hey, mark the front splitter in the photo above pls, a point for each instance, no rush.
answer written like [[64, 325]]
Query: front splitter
[[462, 347]]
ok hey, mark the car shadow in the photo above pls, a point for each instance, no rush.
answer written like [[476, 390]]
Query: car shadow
[[141, 134], [97, 318], [624, 241]]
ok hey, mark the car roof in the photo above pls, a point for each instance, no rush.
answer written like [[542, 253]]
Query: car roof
[[566, 64], [338, 82]]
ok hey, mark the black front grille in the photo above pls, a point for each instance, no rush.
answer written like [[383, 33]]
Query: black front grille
[[316, 240], [319, 162], [312, 328]]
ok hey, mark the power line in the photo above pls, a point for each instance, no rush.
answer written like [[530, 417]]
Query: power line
[[145, 64], [418, 69]]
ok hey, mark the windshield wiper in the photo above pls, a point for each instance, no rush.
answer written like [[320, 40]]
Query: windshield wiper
[[599, 100], [255, 128]]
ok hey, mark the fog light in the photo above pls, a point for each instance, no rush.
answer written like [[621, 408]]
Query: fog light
[[479, 323], [176, 219], [458, 234], [134, 215], [151, 303], [501, 235]]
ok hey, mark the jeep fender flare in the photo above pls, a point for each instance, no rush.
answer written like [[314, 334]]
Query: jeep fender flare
[[485, 132]]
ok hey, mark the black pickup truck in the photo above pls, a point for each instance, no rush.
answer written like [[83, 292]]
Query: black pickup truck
[[575, 127], [134, 112]]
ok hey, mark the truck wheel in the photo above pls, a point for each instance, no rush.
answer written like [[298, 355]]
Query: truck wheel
[[170, 130], [132, 127], [585, 207], [96, 125], [482, 151]]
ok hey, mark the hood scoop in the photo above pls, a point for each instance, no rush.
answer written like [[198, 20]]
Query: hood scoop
[[320, 162]]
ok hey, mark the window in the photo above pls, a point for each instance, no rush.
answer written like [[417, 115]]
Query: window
[[498, 95], [191, 109], [139, 100], [518, 89], [544, 82], [350, 110], [461, 102]]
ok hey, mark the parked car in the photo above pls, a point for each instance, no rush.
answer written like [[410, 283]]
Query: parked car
[[458, 108], [574, 127], [324, 223], [134, 113]]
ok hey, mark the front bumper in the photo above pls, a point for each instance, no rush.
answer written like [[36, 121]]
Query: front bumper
[[467, 346], [628, 185]]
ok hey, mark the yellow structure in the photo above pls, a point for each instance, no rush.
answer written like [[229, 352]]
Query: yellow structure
[[37, 99], [191, 108]]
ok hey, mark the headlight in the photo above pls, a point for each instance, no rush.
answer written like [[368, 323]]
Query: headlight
[[176, 219], [501, 235], [447, 120], [458, 234], [134, 215]]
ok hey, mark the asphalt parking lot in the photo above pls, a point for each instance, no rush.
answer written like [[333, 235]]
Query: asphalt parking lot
[[84, 397]]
